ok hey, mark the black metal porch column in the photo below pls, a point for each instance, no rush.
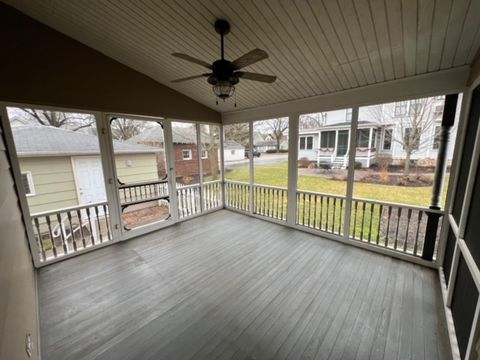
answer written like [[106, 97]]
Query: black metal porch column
[[448, 120]]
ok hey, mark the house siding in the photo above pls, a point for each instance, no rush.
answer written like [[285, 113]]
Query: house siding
[[189, 168], [309, 154], [54, 180], [136, 167]]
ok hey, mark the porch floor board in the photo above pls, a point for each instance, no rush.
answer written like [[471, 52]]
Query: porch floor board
[[228, 286]]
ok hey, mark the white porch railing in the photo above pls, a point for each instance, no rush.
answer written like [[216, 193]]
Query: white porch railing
[[394, 226], [397, 227], [68, 230], [188, 198], [270, 201]]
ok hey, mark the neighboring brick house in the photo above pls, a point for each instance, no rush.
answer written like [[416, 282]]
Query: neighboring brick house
[[186, 153]]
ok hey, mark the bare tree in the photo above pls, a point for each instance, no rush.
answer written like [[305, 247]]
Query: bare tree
[[238, 132], [60, 119], [277, 129], [414, 121], [124, 129], [313, 121], [210, 137]]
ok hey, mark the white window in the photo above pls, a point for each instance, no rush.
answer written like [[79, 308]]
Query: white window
[[27, 182], [204, 154], [436, 137], [438, 110], [348, 116], [187, 154], [327, 139], [306, 142], [411, 139], [387, 139], [415, 108], [400, 108], [363, 136]]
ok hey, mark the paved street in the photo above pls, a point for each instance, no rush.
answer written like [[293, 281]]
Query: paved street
[[262, 160]]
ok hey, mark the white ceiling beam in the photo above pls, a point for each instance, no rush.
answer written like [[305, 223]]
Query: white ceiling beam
[[437, 83]]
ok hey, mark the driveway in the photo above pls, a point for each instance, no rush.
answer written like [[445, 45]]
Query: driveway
[[263, 159]]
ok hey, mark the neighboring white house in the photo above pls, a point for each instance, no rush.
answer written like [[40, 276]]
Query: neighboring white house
[[381, 132], [233, 151]]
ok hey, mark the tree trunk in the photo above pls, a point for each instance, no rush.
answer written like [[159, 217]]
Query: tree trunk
[[278, 144], [406, 169], [213, 160]]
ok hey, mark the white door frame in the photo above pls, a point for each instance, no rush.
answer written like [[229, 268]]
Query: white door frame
[[112, 182]]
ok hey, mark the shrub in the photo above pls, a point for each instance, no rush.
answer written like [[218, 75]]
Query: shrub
[[284, 150], [426, 179], [271, 151], [367, 177], [340, 175], [402, 181], [187, 179], [303, 162], [358, 165], [312, 165], [384, 162], [427, 162], [384, 176]]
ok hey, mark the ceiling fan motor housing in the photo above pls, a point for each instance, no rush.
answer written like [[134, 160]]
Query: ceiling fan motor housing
[[223, 72]]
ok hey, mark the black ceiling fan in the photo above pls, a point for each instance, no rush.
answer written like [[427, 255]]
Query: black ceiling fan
[[226, 74]]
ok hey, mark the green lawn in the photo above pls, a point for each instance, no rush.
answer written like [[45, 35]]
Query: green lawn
[[276, 175]]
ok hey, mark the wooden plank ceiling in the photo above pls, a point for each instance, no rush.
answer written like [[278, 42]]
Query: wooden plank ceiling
[[316, 47]]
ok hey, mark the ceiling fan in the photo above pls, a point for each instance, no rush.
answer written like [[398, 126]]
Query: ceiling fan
[[226, 74]]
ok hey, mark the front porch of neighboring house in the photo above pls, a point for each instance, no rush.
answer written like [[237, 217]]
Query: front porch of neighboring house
[[329, 146]]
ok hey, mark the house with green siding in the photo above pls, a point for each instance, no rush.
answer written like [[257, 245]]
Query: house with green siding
[[62, 168]]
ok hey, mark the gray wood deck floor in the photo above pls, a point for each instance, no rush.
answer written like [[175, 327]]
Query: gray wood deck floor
[[228, 286]]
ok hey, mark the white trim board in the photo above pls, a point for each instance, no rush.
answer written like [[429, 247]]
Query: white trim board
[[438, 83], [452, 336]]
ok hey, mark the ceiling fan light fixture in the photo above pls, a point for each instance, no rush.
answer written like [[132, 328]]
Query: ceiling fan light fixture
[[223, 89]]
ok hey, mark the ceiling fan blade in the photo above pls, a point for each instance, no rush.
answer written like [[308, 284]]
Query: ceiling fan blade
[[193, 60], [190, 78], [249, 58], [256, 77]]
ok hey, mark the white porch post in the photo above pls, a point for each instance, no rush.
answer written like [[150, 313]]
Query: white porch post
[[251, 167], [370, 145], [172, 177], [319, 146], [200, 164], [293, 126], [351, 172], [335, 147], [222, 165]]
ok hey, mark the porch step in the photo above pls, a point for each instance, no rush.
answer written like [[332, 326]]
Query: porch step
[[338, 163]]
